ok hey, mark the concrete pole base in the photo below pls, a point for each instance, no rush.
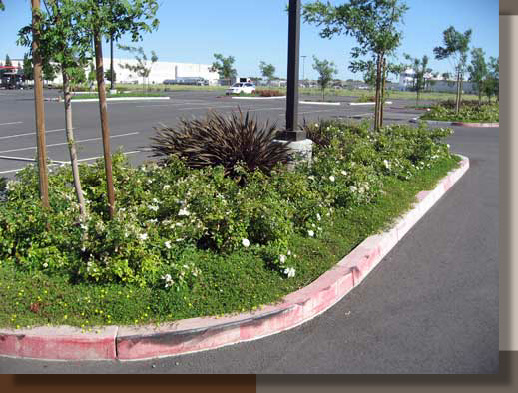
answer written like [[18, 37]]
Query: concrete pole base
[[299, 152]]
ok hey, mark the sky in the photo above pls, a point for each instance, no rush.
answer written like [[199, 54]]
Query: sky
[[256, 30]]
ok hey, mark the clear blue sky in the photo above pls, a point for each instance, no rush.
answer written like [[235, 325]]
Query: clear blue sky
[[255, 30]]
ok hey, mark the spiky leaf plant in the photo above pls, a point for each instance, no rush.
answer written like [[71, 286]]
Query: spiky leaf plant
[[228, 140]]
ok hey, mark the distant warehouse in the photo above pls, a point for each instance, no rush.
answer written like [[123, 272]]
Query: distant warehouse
[[181, 73], [178, 73]]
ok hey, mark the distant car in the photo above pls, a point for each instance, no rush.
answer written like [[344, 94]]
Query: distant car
[[238, 88]]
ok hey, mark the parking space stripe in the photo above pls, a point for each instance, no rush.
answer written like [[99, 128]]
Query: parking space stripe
[[66, 143], [7, 124], [31, 133]]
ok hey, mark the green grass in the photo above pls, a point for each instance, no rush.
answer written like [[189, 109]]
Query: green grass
[[34, 298]]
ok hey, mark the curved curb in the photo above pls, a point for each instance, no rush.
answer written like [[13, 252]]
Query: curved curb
[[199, 334], [367, 103], [456, 123], [259, 98], [319, 103]]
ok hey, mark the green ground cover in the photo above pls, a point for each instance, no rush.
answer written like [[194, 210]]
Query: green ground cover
[[187, 243], [468, 113]]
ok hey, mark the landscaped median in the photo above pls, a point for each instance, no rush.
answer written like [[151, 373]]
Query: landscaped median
[[199, 254], [471, 114], [198, 334]]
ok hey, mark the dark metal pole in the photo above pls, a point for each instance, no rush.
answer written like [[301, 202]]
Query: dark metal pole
[[112, 72], [292, 132]]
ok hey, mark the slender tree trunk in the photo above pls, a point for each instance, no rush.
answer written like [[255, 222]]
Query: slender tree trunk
[[382, 100], [457, 103], [72, 145], [460, 91], [377, 95], [322, 95], [104, 121], [39, 108]]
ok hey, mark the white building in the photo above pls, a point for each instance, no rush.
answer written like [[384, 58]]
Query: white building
[[160, 71], [435, 84]]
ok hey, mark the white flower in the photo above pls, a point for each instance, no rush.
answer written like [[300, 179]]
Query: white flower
[[246, 242], [167, 244], [289, 271], [45, 264], [316, 124], [311, 233], [155, 200], [311, 177], [143, 236], [353, 188], [386, 163], [167, 187], [183, 212], [319, 217], [332, 179], [289, 252], [448, 145], [150, 181], [344, 173], [282, 258], [153, 221], [153, 207]]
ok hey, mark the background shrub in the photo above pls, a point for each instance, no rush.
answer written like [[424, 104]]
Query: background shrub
[[222, 140]]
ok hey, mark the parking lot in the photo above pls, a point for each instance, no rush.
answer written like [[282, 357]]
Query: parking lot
[[132, 122]]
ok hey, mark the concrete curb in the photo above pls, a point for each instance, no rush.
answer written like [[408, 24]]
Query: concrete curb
[[319, 103], [122, 99], [259, 98], [456, 123], [367, 103], [200, 334]]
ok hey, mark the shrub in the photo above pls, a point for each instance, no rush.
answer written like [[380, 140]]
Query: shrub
[[170, 214], [268, 93], [472, 112], [222, 140]]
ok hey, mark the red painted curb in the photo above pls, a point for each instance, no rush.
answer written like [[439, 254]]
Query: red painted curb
[[476, 125], [59, 343], [199, 334]]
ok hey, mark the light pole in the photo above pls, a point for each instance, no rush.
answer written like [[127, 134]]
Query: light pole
[[293, 133], [303, 63]]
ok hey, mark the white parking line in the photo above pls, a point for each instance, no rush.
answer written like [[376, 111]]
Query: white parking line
[[7, 124], [31, 133], [94, 158], [65, 143], [323, 110]]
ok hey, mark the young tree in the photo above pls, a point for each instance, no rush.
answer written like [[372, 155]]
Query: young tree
[[28, 72], [456, 46], [60, 43], [98, 18], [267, 71], [8, 62], [492, 81], [108, 75], [478, 70], [224, 66], [374, 25], [49, 71], [143, 67], [325, 70], [420, 68]]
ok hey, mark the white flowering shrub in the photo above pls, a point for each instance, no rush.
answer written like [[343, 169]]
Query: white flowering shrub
[[166, 214]]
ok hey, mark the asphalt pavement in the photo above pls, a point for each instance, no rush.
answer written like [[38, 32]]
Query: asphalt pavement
[[430, 307]]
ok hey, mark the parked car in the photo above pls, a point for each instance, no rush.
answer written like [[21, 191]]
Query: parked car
[[238, 88]]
